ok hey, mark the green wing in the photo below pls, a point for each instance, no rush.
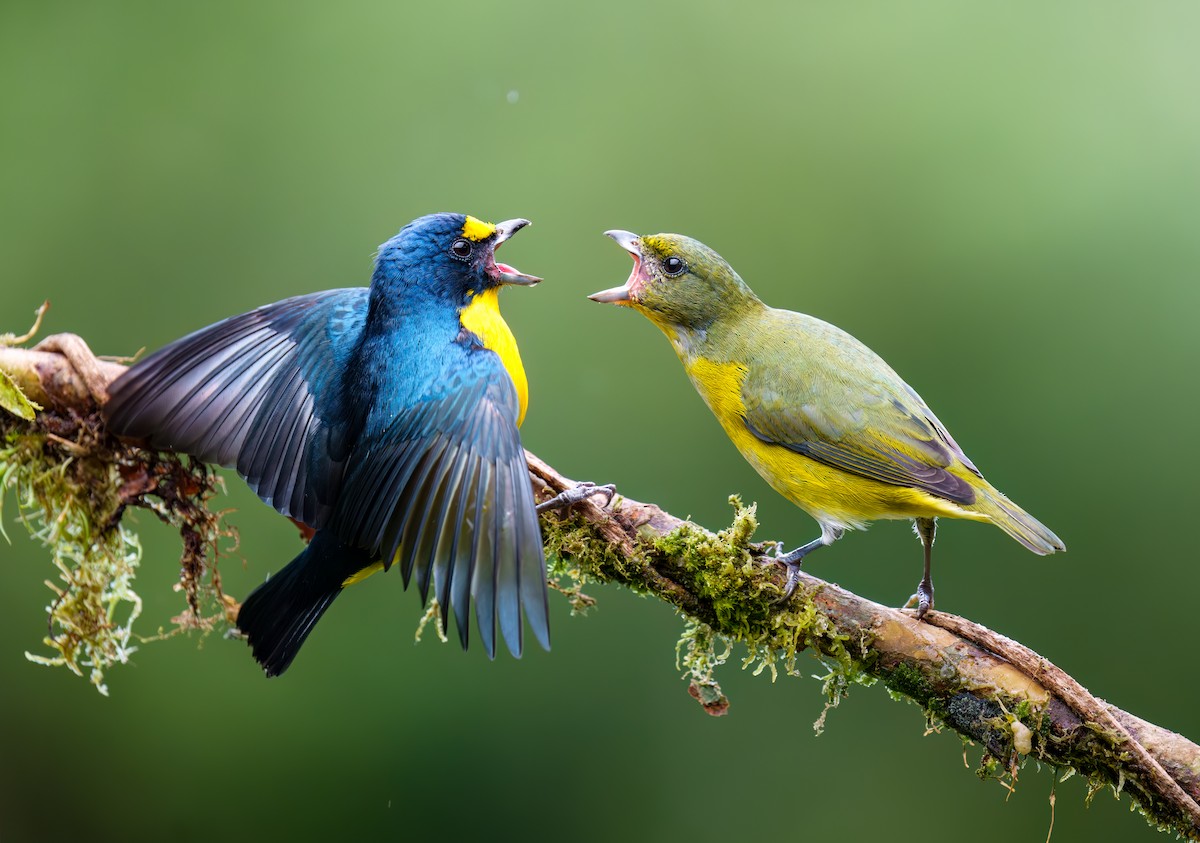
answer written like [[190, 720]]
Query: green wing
[[843, 406]]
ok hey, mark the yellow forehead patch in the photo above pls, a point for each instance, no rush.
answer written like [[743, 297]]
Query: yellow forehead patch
[[474, 229], [659, 245]]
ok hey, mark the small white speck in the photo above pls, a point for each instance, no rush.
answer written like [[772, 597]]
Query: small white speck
[[513, 96]]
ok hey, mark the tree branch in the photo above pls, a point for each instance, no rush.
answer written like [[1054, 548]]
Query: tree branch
[[984, 686]]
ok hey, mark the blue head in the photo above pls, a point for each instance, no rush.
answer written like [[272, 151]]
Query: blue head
[[450, 257]]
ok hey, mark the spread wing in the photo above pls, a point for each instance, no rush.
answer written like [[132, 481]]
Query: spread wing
[[255, 392], [849, 410], [444, 492]]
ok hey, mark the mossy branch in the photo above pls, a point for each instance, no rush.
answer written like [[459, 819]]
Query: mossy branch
[[987, 688], [73, 482]]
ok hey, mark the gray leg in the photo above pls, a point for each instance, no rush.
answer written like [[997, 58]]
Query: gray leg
[[581, 492], [793, 559], [926, 528]]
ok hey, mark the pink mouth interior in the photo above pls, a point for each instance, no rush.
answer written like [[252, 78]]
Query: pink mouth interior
[[635, 274], [494, 264]]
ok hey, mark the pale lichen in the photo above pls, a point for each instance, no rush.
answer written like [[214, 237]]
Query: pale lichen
[[94, 607], [71, 482], [433, 613]]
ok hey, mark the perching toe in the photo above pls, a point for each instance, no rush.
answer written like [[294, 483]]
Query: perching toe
[[580, 492], [924, 598], [793, 582]]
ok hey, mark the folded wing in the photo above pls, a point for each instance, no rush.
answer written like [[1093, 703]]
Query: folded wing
[[879, 430]]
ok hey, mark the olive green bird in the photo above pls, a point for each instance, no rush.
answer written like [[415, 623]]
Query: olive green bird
[[819, 415]]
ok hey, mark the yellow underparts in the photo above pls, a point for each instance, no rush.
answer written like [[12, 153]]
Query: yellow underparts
[[482, 318], [828, 494], [477, 230], [373, 568], [363, 574]]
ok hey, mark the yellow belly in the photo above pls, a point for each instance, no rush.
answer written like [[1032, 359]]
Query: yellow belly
[[829, 495]]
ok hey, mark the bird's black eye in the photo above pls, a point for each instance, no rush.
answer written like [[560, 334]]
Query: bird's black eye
[[673, 266], [461, 248]]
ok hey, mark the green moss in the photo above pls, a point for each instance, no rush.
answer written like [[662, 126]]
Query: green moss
[[731, 598], [72, 482], [569, 579], [720, 570], [911, 682], [989, 767], [575, 551], [698, 653], [743, 594]]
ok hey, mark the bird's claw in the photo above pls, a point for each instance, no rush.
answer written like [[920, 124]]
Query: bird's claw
[[922, 601], [793, 582], [792, 560], [581, 492]]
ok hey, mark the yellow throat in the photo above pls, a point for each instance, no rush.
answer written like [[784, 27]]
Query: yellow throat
[[482, 318]]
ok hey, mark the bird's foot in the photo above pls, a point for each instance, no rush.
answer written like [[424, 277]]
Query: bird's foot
[[581, 492], [793, 582], [792, 562], [922, 601]]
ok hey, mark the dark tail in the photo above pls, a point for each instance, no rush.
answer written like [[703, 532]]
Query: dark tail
[[1018, 523], [280, 613]]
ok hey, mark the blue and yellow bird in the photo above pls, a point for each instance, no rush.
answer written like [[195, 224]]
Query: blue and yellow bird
[[384, 418], [819, 415]]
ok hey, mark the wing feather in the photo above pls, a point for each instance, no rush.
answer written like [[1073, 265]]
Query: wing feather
[[245, 393], [460, 564], [508, 571], [483, 564], [847, 409], [445, 493]]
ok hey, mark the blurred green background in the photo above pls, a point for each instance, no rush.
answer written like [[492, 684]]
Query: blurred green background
[[1001, 199]]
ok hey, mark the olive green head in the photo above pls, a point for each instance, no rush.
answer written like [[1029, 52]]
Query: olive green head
[[677, 282]]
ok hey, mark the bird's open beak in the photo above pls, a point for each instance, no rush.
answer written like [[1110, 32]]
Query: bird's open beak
[[630, 242], [502, 272]]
